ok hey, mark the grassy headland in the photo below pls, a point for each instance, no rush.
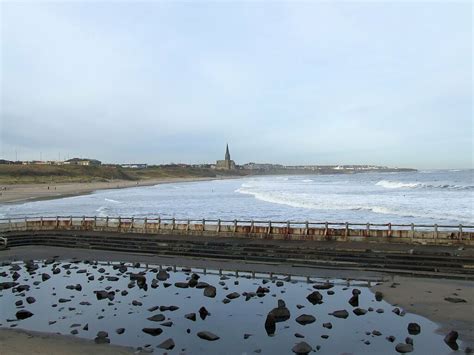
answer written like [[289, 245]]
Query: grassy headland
[[48, 174]]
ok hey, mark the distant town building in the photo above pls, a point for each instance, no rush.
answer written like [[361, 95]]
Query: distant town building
[[79, 161], [227, 163]]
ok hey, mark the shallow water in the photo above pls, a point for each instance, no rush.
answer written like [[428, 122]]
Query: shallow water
[[229, 321]]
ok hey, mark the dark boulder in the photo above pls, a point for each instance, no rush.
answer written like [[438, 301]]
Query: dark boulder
[[302, 348], [152, 331], [305, 319], [207, 336], [340, 314], [414, 329], [315, 298], [23, 314]]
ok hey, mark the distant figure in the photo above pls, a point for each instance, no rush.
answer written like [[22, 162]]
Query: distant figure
[[48, 187]]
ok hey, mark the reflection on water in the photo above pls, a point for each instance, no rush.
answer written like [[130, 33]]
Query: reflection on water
[[66, 303]]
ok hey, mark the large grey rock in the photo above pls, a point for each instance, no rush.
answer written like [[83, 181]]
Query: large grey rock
[[340, 314], [315, 298], [23, 314], [305, 319], [404, 348], [152, 331], [210, 291], [157, 318], [168, 344], [207, 336], [302, 348]]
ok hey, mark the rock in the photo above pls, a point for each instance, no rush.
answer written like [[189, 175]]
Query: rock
[[74, 332], [203, 313], [340, 314], [45, 277], [112, 278], [152, 331], [192, 282], [281, 313], [305, 319], [210, 291], [378, 296], [279, 283], [325, 286], [202, 284], [102, 338], [324, 336], [104, 294], [327, 325], [409, 340], [233, 295], [330, 292], [354, 301], [23, 314], [136, 303], [168, 308], [181, 284], [30, 300], [356, 292], [190, 316], [396, 310], [167, 324], [19, 303], [390, 338], [124, 292], [451, 338], [246, 336], [376, 333], [86, 327], [404, 348], [157, 318], [207, 336], [455, 300], [168, 344], [120, 330], [270, 324], [379, 310], [302, 348], [162, 275], [298, 335], [64, 300], [315, 298], [359, 311], [414, 329]]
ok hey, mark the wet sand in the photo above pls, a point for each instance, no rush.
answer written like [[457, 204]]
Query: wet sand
[[421, 296], [34, 192]]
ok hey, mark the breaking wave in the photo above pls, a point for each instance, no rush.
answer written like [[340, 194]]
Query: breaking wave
[[414, 185]]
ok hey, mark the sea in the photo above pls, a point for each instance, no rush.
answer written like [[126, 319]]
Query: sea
[[444, 197]]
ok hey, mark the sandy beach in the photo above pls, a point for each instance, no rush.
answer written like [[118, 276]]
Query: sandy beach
[[422, 296], [33, 192]]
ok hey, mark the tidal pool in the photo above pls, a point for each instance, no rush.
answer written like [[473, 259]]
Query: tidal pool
[[68, 303]]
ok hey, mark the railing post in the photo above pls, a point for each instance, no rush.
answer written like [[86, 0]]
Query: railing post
[[218, 225], [390, 229], [107, 222], [95, 222], [145, 224], [159, 222], [412, 231], [368, 229], [26, 223], [287, 229], [306, 232], [119, 222], [203, 224], [83, 221], [436, 233], [460, 232], [269, 227], [132, 222], [252, 226], [346, 231], [235, 226], [41, 222], [187, 225], [57, 222], [173, 223], [326, 225]]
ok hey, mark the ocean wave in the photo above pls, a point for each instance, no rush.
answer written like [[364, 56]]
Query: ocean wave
[[307, 180], [305, 201], [110, 200], [414, 185]]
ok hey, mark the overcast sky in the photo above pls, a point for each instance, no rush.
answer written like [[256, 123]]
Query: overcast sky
[[283, 82]]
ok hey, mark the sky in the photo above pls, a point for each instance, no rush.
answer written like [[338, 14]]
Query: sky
[[375, 82]]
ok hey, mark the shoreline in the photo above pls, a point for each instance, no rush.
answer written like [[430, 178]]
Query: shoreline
[[17, 194], [421, 296]]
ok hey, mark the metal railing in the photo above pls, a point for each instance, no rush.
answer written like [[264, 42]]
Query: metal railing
[[156, 223]]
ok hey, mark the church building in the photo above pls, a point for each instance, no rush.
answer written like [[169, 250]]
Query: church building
[[227, 163]]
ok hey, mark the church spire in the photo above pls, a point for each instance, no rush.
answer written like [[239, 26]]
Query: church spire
[[227, 154]]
